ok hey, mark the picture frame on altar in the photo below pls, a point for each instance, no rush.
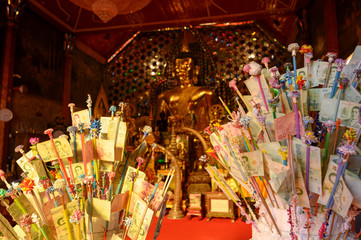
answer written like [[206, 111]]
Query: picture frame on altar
[[218, 205]]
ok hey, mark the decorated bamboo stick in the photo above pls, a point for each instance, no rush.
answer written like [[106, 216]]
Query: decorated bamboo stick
[[293, 48]]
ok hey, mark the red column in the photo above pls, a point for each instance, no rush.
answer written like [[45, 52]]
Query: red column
[[331, 26], [68, 46], [7, 71]]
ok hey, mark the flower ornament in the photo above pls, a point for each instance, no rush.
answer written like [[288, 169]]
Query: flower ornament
[[308, 56], [95, 127], [27, 185], [208, 130], [307, 120], [258, 114], [294, 94], [244, 121], [357, 72], [72, 129], [306, 49], [293, 48], [146, 131], [76, 216], [16, 186], [331, 56], [19, 149], [329, 125], [88, 179], [2, 174], [81, 127], [35, 219], [148, 198], [26, 221], [346, 149], [112, 109], [203, 158], [350, 135], [218, 126], [254, 69], [140, 161], [111, 175], [133, 176], [212, 153], [265, 61], [309, 138], [283, 152], [340, 64], [128, 221], [89, 101], [50, 190], [45, 182], [2, 193], [33, 141], [233, 84], [300, 81], [59, 185], [343, 82], [275, 83]]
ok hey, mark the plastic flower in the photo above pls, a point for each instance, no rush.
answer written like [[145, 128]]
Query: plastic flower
[[346, 149], [26, 221], [283, 152], [88, 179], [2, 193], [233, 84], [309, 138], [306, 49], [244, 121], [208, 130], [293, 94], [27, 185], [34, 141], [128, 221], [307, 120], [35, 219], [300, 81], [95, 127], [329, 125], [146, 130], [76, 217], [203, 158], [72, 129], [140, 161], [111, 175]]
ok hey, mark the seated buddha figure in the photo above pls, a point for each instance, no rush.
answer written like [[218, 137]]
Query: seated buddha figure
[[187, 104]]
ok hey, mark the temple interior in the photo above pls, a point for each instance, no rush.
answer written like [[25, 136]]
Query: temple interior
[[146, 94]]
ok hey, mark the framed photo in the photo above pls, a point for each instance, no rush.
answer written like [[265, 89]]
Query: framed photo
[[218, 205]]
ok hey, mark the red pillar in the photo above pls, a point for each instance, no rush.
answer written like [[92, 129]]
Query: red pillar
[[68, 46], [331, 26], [7, 71]]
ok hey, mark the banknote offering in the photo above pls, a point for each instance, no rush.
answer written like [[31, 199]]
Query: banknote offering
[[315, 176], [319, 71], [316, 96], [59, 220], [253, 87], [81, 117], [354, 63], [286, 125], [47, 152], [342, 198], [348, 112], [128, 178]]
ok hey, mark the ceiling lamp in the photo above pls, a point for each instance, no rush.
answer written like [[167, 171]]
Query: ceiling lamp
[[108, 9]]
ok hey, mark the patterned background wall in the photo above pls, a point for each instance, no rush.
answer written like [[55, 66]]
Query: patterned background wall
[[144, 68]]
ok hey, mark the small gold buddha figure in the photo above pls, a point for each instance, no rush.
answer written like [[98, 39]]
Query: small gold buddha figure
[[187, 104]]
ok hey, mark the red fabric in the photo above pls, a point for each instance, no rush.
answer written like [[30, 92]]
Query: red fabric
[[215, 229]]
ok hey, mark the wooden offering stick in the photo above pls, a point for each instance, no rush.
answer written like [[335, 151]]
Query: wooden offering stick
[[227, 109], [95, 131], [233, 84]]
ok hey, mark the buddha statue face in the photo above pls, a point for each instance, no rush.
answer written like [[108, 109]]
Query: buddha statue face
[[184, 71]]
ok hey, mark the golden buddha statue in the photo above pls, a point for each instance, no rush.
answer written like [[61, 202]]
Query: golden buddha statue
[[186, 104]]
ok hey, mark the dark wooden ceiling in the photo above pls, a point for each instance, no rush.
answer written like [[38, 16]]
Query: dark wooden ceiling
[[276, 16]]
